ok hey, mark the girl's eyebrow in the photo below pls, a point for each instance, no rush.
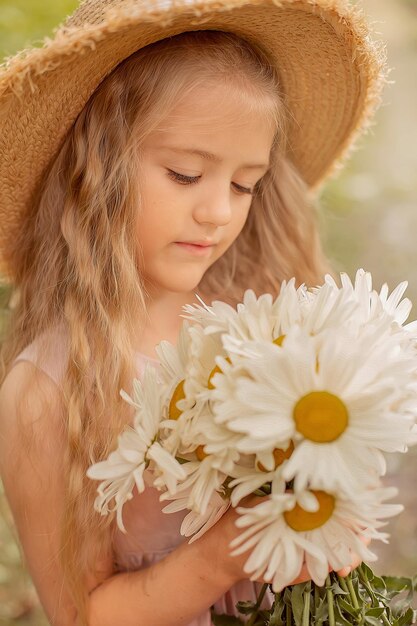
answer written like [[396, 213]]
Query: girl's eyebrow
[[209, 156]]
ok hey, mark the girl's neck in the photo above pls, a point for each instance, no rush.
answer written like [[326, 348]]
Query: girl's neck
[[164, 320]]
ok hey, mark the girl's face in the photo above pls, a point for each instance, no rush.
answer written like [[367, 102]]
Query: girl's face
[[198, 171]]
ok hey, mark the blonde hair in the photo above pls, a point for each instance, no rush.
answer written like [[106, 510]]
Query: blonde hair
[[76, 258]]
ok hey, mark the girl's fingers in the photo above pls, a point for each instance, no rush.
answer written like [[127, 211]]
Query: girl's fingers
[[302, 577], [345, 571], [365, 540], [356, 560]]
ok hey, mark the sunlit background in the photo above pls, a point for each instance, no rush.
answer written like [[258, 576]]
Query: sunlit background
[[370, 221]]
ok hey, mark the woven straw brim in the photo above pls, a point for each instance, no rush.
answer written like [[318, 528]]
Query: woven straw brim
[[331, 72]]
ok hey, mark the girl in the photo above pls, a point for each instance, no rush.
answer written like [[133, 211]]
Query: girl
[[149, 153]]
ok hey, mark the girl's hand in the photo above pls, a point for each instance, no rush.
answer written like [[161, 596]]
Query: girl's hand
[[356, 560], [221, 535]]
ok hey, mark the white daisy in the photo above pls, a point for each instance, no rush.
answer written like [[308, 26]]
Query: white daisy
[[374, 305], [336, 403], [320, 528], [204, 477], [329, 308], [189, 391], [173, 368], [210, 450], [247, 480], [266, 319], [195, 524], [254, 318], [202, 480], [138, 448]]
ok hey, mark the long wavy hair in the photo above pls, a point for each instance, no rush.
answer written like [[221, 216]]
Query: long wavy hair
[[75, 261]]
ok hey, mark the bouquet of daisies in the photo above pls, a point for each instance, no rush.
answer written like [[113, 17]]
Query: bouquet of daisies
[[295, 399]]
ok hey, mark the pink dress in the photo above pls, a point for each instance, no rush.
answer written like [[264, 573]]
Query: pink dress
[[151, 534]]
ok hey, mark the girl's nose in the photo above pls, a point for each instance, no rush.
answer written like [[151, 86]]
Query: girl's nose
[[215, 207]]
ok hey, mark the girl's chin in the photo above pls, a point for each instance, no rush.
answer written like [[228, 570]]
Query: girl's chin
[[177, 283]]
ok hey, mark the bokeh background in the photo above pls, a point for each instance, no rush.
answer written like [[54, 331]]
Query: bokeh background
[[369, 220]]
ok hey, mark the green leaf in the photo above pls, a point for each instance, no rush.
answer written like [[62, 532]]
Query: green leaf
[[337, 589], [276, 620], [277, 612], [398, 583], [322, 611], [181, 461], [379, 583], [409, 617], [382, 601], [372, 621], [340, 620], [297, 602], [264, 615], [375, 612], [245, 607], [347, 608], [366, 571], [287, 595], [399, 606]]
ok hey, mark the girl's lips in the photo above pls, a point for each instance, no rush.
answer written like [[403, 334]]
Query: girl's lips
[[194, 248]]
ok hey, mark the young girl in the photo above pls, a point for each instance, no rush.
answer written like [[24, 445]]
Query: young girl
[[149, 153]]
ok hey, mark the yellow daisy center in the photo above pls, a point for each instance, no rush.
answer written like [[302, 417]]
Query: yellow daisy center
[[215, 370], [201, 455], [278, 341], [280, 455], [320, 416], [179, 394], [300, 520]]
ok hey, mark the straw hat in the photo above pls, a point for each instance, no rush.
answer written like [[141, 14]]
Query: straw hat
[[331, 72]]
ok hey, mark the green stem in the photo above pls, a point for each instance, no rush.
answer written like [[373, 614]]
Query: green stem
[[368, 587], [251, 621], [276, 607], [329, 593], [342, 583], [361, 571], [385, 620], [352, 592], [364, 580], [181, 460], [316, 597], [306, 611], [288, 615]]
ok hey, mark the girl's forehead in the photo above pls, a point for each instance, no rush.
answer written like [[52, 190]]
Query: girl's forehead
[[217, 124], [248, 145], [220, 106]]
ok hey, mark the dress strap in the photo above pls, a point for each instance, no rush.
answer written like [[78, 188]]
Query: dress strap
[[52, 360]]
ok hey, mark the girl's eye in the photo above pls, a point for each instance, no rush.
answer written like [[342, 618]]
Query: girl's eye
[[241, 189], [190, 180], [182, 178]]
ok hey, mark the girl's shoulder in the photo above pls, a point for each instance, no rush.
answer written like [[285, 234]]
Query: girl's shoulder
[[31, 392], [31, 402], [48, 353]]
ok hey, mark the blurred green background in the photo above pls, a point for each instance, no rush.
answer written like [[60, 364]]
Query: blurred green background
[[369, 220]]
